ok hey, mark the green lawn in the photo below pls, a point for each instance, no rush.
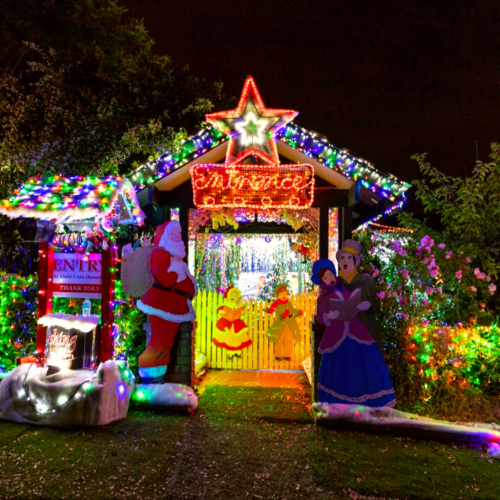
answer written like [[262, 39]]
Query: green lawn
[[256, 443]]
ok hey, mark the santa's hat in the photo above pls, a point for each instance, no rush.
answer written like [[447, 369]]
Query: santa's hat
[[162, 228], [229, 288]]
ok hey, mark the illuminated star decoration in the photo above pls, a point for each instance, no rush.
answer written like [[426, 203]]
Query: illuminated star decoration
[[251, 126]]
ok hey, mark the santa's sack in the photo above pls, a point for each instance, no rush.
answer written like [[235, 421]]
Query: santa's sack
[[136, 272]]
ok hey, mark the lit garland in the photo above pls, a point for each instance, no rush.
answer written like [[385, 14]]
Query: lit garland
[[305, 219], [381, 228], [390, 210], [385, 185], [356, 169], [199, 144], [69, 198]]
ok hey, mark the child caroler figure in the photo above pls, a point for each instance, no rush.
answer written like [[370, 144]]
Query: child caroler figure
[[231, 332], [284, 331]]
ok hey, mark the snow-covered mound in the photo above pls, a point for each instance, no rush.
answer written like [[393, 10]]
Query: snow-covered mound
[[168, 395], [475, 431], [67, 398]]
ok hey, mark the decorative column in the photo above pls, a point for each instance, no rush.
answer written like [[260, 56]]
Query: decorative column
[[104, 350], [45, 273]]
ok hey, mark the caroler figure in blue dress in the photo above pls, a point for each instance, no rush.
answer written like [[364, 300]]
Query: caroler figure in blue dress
[[352, 369]]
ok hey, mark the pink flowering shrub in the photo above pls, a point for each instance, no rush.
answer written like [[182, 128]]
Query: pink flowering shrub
[[425, 291], [441, 329], [426, 281]]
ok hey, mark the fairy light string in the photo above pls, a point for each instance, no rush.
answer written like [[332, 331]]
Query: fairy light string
[[76, 197], [343, 162]]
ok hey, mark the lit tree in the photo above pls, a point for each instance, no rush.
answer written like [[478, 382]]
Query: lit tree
[[81, 92]]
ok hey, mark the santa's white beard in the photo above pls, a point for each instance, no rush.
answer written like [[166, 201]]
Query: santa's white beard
[[176, 248]]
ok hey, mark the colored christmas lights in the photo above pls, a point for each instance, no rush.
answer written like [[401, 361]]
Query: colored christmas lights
[[77, 197], [356, 169], [448, 356], [385, 185], [252, 130], [251, 126]]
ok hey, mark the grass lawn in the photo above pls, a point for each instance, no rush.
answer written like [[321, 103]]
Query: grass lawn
[[242, 442]]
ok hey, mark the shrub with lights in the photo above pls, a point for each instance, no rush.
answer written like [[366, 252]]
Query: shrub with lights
[[18, 320], [18, 306], [438, 311]]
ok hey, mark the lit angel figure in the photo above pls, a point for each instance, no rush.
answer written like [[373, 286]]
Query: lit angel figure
[[285, 331], [231, 332]]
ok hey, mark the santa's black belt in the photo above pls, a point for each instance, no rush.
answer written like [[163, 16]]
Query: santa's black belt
[[174, 290]]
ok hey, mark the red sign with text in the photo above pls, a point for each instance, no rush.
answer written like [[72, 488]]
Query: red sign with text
[[75, 277], [252, 186]]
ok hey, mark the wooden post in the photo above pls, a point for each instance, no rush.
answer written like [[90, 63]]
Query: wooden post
[[317, 331], [45, 272], [345, 225], [181, 367], [323, 232], [184, 222], [105, 347]]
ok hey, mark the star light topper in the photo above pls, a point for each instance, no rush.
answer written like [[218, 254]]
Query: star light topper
[[251, 126]]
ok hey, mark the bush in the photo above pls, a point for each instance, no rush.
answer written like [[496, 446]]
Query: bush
[[18, 320]]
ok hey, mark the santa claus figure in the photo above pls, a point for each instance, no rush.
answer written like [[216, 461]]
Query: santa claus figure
[[168, 301]]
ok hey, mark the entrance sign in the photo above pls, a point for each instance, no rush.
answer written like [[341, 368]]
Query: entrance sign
[[75, 277], [253, 186], [263, 183]]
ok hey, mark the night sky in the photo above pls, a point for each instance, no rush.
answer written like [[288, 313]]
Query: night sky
[[382, 79]]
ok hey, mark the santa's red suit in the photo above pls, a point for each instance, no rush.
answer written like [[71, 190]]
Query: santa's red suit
[[168, 301]]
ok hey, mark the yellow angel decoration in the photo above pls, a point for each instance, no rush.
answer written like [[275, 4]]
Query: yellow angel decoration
[[231, 332]]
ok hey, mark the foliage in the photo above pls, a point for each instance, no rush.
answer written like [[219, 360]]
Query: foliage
[[437, 313], [439, 304], [131, 337], [82, 92], [18, 309], [18, 315], [467, 208]]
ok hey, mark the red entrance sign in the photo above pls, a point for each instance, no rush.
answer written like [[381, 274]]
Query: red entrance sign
[[252, 186], [75, 277]]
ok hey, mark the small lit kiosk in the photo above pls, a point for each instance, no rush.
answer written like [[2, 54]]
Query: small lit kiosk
[[72, 379]]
